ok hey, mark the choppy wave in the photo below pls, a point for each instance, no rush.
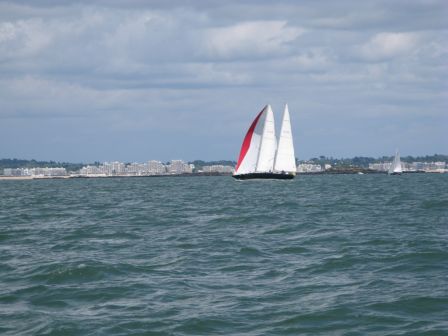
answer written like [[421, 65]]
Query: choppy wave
[[330, 255]]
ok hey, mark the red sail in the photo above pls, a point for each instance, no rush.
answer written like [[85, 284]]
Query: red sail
[[247, 139]]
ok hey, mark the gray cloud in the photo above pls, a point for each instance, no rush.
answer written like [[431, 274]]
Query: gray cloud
[[136, 80]]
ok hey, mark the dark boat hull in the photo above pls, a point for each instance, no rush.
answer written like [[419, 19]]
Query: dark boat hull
[[394, 173], [271, 176]]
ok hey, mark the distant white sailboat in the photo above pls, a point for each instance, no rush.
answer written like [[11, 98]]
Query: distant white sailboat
[[260, 155], [395, 167]]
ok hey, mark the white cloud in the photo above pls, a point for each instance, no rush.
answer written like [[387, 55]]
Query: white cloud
[[384, 46], [256, 39], [312, 60], [23, 38], [7, 31]]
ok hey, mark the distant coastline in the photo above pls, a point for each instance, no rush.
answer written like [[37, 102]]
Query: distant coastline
[[17, 169], [24, 178], [357, 161], [328, 172]]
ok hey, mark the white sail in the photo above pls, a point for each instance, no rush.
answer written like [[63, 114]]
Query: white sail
[[395, 167], [250, 149], [268, 144], [285, 160]]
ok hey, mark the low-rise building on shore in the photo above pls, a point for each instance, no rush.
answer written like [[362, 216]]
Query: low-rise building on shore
[[428, 167], [46, 172], [309, 168], [137, 169], [179, 167], [218, 169]]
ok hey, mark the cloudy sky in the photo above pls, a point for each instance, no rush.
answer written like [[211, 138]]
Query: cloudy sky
[[135, 80]]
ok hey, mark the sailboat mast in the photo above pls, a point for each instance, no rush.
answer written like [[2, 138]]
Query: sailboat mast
[[396, 163], [262, 138]]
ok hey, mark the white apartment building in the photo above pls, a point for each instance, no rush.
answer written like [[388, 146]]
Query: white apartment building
[[309, 168], [35, 171], [179, 167], [92, 170], [12, 171], [156, 167], [218, 169], [115, 167], [137, 169], [381, 166]]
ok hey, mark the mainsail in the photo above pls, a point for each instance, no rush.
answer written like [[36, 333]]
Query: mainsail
[[285, 159], [395, 167]]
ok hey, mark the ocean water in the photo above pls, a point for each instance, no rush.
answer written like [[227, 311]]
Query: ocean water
[[319, 255]]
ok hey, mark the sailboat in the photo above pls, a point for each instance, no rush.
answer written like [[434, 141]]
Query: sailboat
[[261, 156], [395, 167]]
